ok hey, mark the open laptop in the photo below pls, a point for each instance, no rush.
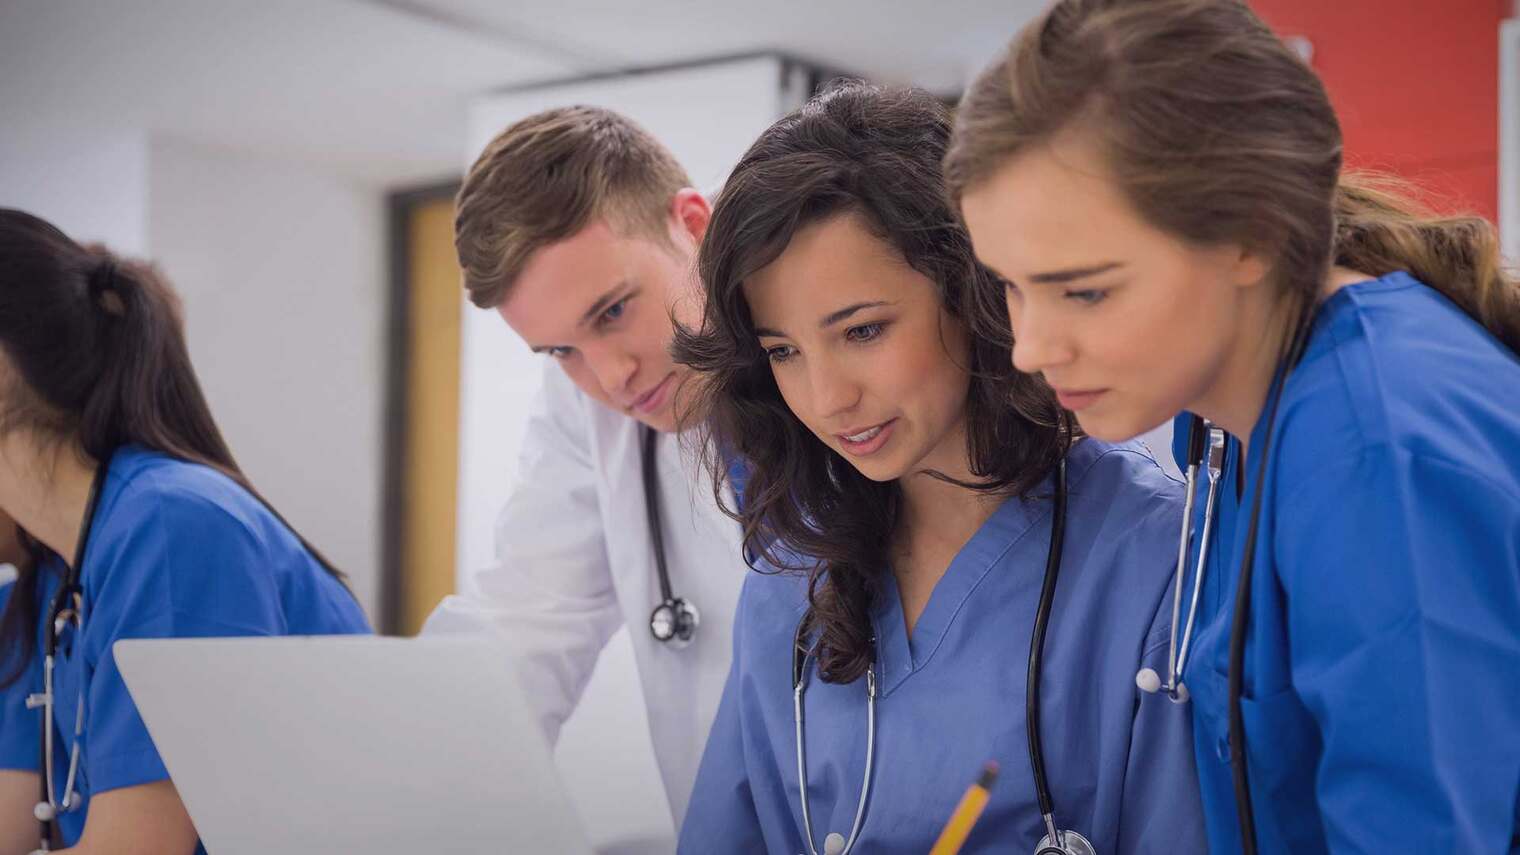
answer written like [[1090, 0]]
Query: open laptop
[[381, 746]]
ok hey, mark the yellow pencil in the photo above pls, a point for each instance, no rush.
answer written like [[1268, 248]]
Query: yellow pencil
[[966, 813]]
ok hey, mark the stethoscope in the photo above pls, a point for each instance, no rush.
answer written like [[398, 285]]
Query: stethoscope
[[674, 621], [1054, 842], [67, 609], [1200, 434], [1147, 679]]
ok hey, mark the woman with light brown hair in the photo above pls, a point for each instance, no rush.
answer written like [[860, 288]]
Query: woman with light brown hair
[[1158, 183]]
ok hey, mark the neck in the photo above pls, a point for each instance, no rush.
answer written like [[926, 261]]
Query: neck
[[1238, 393], [45, 487], [940, 517]]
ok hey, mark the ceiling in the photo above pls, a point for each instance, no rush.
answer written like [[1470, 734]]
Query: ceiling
[[378, 89]]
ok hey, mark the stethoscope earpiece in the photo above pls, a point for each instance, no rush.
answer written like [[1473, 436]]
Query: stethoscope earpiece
[[1150, 683]]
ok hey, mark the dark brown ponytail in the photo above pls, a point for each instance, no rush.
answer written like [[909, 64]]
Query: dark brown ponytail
[[95, 347]]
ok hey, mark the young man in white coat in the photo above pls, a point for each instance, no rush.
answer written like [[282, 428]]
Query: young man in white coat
[[580, 230]]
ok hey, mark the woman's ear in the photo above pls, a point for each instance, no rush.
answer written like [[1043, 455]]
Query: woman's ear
[[1249, 267]]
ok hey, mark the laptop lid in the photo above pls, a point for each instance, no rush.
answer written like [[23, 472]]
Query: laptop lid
[[350, 744]]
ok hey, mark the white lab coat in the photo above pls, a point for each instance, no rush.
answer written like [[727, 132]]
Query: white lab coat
[[574, 562]]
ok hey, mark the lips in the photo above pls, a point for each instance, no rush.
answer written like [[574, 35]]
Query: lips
[[651, 401], [1079, 399], [866, 440]]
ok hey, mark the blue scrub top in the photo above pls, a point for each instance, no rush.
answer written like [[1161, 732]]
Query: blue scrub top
[[951, 697], [176, 550], [1382, 666]]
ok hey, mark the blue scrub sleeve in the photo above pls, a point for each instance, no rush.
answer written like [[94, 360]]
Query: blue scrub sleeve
[[721, 816], [20, 728], [183, 568], [1162, 811], [1399, 573]]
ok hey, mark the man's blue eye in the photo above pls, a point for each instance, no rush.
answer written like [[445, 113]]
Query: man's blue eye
[[615, 310]]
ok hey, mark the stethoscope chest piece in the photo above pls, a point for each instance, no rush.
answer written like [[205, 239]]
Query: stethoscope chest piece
[[1072, 843], [675, 622]]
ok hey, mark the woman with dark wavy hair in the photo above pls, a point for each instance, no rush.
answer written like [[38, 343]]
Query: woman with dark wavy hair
[[900, 498], [1160, 183]]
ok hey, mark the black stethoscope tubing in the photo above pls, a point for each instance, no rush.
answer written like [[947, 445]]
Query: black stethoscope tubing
[[674, 621], [1240, 619], [1055, 842], [68, 598]]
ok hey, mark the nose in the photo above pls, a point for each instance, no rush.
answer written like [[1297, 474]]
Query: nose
[[1039, 341], [834, 391], [613, 367]]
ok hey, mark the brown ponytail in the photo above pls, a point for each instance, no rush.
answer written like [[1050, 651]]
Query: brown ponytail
[[1380, 229]]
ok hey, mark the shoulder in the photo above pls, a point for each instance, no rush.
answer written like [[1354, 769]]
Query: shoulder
[[1121, 477], [771, 603], [1125, 514], [1354, 398], [189, 500]]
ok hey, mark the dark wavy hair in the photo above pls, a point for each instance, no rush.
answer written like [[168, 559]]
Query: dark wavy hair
[[96, 349], [874, 152]]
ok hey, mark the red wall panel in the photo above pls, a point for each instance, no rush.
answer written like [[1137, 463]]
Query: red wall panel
[[1416, 84]]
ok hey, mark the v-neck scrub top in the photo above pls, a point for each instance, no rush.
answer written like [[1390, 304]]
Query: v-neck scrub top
[[176, 550], [951, 696]]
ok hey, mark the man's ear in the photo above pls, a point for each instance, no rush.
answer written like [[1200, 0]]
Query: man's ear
[[690, 213]]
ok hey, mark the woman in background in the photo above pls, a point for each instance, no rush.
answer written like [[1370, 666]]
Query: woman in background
[[136, 523]]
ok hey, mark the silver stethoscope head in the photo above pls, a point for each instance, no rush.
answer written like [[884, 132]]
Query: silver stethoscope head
[[1198, 433], [674, 622], [1071, 843]]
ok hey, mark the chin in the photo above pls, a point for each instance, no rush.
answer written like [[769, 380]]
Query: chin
[[1112, 428], [880, 471], [664, 422]]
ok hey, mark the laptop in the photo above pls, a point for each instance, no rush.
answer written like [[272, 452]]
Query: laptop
[[384, 746]]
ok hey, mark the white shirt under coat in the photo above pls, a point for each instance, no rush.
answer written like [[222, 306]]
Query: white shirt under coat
[[574, 562]]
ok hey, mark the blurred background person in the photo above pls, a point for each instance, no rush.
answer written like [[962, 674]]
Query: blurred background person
[[137, 523]]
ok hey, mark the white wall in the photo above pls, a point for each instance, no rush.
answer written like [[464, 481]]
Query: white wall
[[88, 181], [281, 268], [708, 116]]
